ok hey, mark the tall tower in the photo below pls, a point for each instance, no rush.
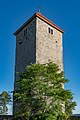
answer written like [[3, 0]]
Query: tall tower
[[38, 40]]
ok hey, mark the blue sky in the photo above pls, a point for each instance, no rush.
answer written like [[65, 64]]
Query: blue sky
[[65, 14]]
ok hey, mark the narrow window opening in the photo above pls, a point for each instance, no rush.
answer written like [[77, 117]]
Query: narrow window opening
[[49, 30], [26, 30], [20, 42]]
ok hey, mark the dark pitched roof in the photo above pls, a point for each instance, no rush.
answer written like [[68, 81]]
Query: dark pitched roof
[[39, 15]]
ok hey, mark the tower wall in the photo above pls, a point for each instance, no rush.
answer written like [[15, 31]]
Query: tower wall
[[25, 47], [38, 45], [35, 43], [48, 46]]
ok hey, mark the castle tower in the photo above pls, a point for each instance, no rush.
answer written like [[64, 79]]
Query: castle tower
[[38, 40]]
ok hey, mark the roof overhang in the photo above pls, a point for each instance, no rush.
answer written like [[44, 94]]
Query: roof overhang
[[39, 15]]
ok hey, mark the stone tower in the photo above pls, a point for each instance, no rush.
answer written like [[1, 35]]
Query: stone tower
[[38, 40]]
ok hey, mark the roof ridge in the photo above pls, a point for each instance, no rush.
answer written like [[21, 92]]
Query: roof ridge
[[39, 15]]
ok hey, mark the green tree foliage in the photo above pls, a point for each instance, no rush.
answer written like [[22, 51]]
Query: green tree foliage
[[5, 99], [40, 95]]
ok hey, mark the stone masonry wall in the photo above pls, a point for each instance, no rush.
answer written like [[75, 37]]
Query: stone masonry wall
[[48, 46], [37, 45], [25, 47]]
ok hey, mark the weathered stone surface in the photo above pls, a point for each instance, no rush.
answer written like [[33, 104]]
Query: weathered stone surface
[[35, 44], [25, 47], [48, 46], [38, 45]]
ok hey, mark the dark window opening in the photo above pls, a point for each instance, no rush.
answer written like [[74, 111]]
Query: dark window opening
[[20, 42], [25, 31], [49, 30]]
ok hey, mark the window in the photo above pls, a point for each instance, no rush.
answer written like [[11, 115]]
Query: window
[[25, 31], [20, 42], [50, 31]]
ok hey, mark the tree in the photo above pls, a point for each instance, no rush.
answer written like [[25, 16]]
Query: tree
[[5, 99], [40, 95]]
